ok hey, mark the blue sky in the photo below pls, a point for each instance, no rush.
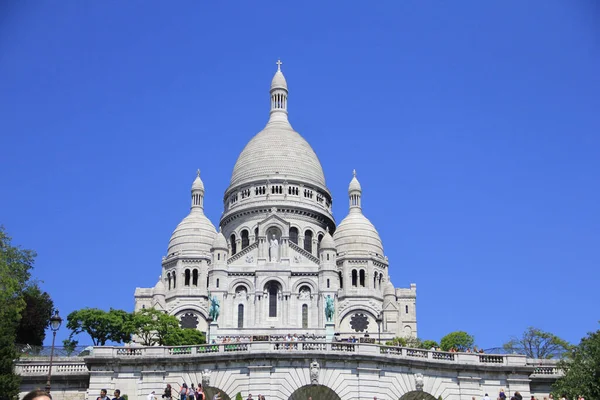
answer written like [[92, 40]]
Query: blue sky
[[474, 128]]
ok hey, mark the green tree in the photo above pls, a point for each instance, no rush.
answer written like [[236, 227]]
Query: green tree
[[184, 337], [397, 341], [152, 326], [582, 370], [35, 317], [428, 344], [459, 340], [102, 326], [15, 271], [535, 343]]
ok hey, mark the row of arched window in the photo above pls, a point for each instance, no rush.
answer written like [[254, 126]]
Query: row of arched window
[[245, 240], [190, 278], [358, 279], [279, 189]]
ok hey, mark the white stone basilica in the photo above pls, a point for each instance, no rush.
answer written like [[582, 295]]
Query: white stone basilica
[[274, 261]]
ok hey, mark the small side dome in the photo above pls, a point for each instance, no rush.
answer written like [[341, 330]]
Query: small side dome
[[327, 243], [194, 234], [389, 290], [356, 235], [220, 242], [159, 288]]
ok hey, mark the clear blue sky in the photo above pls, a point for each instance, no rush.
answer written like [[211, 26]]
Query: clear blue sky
[[474, 128]]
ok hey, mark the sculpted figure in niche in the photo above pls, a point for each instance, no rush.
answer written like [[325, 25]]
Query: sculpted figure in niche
[[273, 249]]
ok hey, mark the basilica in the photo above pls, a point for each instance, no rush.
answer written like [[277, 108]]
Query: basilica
[[279, 264]]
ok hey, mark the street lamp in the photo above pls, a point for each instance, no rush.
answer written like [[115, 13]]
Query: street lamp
[[379, 320], [55, 322]]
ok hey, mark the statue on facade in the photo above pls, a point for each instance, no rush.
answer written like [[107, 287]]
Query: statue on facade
[[213, 312], [329, 308], [314, 372], [206, 378], [419, 381], [273, 249]]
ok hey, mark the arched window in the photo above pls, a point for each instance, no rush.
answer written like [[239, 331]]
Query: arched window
[[232, 243], [380, 281], [354, 278], [406, 309], [362, 277], [245, 239], [240, 316], [294, 235], [308, 235], [217, 282], [319, 238], [187, 277], [256, 234], [327, 283], [207, 281], [195, 277], [304, 316], [341, 280], [273, 291], [169, 279], [375, 280], [174, 276]]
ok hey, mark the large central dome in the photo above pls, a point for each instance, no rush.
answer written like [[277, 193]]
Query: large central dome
[[278, 151]]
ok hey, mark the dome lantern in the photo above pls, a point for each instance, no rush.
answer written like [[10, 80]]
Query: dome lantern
[[354, 193], [279, 94], [198, 192]]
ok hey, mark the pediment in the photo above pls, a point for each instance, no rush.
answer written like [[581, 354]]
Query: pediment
[[273, 221]]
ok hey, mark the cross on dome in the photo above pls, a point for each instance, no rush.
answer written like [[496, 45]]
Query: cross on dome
[[198, 173], [279, 63]]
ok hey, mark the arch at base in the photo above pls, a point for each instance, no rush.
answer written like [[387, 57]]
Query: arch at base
[[417, 395], [317, 392], [209, 393]]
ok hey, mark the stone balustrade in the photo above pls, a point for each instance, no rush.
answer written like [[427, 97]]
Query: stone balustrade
[[319, 347], [39, 366]]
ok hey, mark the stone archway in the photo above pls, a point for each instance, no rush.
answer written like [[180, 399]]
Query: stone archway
[[417, 395], [317, 392], [209, 393]]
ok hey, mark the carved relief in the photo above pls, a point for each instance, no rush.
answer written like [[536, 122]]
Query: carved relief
[[419, 381], [314, 372]]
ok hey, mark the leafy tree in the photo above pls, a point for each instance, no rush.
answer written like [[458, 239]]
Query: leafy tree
[[70, 345], [185, 337], [582, 370], [15, 267], [35, 318], [114, 325], [535, 343], [428, 344], [238, 396], [459, 340], [397, 341], [152, 326]]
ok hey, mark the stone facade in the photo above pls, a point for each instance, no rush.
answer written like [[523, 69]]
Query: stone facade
[[279, 253], [293, 370]]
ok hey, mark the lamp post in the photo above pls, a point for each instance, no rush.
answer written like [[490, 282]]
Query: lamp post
[[55, 322], [379, 320]]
